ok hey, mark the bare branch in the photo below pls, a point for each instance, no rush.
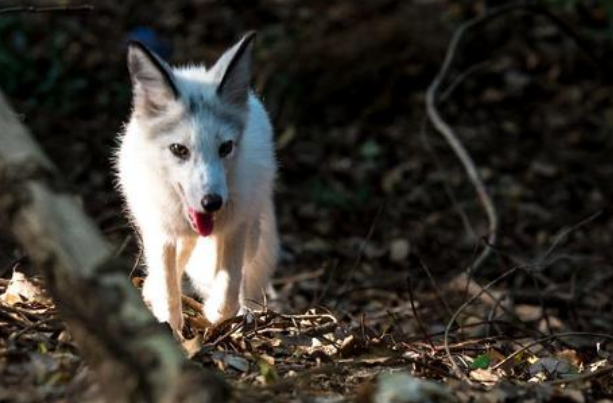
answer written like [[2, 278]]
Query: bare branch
[[433, 97], [46, 9]]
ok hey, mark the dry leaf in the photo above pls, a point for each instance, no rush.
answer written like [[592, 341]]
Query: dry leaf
[[485, 376], [192, 346], [552, 368], [23, 289]]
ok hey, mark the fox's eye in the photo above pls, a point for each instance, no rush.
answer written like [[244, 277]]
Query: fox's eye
[[179, 151], [226, 148]]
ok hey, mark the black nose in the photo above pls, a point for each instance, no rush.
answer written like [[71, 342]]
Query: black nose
[[211, 203]]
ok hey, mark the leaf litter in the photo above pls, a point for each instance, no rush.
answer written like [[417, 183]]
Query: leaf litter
[[376, 235], [270, 356]]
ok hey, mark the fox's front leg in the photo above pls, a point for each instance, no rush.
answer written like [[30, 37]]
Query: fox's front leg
[[162, 287], [223, 301]]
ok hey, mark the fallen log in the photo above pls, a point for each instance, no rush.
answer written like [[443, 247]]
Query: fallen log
[[135, 358]]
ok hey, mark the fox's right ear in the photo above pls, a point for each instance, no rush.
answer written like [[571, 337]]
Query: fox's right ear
[[233, 72], [152, 80]]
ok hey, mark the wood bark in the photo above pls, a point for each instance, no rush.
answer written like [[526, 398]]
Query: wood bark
[[135, 358]]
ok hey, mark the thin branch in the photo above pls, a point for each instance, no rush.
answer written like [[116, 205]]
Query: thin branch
[[430, 148], [432, 99], [358, 258], [563, 234], [458, 148], [420, 325], [548, 338], [468, 228], [416, 260], [583, 377], [459, 311], [46, 9], [33, 326]]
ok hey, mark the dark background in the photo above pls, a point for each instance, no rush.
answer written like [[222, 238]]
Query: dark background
[[360, 186]]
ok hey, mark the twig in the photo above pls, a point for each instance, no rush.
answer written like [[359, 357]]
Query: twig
[[563, 234], [524, 330], [22, 311], [234, 328], [446, 183], [13, 266], [420, 362], [123, 246], [45, 9], [32, 326], [420, 325], [136, 263], [552, 337], [479, 342], [447, 132], [430, 148], [457, 81], [544, 314], [459, 311], [318, 296], [415, 259], [583, 377], [358, 259]]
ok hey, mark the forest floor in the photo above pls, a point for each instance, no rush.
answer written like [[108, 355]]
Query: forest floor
[[378, 220]]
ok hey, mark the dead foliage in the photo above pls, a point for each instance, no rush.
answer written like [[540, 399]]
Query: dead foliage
[[270, 356], [379, 223]]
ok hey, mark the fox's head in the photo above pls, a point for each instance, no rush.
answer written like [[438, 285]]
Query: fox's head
[[195, 118]]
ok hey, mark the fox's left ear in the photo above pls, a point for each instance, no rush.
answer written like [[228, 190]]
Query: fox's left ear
[[152, 80], [233, 72]]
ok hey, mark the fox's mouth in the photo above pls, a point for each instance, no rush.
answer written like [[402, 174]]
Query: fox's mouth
[[202, 223]]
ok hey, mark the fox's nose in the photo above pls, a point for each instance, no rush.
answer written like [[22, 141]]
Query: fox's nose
[[211, 202]]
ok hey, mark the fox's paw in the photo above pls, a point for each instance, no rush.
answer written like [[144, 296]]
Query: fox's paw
[[164, 314], [216, 312]]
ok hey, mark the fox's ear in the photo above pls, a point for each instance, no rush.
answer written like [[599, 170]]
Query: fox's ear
[[152, 80], [233, 71]]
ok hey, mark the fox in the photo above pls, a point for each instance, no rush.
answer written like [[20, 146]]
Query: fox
[[196, 168]]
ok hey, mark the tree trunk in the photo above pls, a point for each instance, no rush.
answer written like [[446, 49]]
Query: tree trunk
[[136, 358]]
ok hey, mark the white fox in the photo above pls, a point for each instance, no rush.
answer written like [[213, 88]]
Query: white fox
[[196, 166]]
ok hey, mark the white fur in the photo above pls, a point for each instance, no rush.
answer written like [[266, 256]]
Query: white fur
[[230, 268]]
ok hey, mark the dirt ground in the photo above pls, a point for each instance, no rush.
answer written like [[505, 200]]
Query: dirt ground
[[378, 220]]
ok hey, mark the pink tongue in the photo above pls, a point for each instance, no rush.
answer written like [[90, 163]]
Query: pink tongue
[[202, 222]]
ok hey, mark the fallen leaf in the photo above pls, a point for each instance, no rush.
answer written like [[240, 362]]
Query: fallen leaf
[[552, 368], [192, 346], [23, 289], [485, 376], [224, 360], [571, 356]]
